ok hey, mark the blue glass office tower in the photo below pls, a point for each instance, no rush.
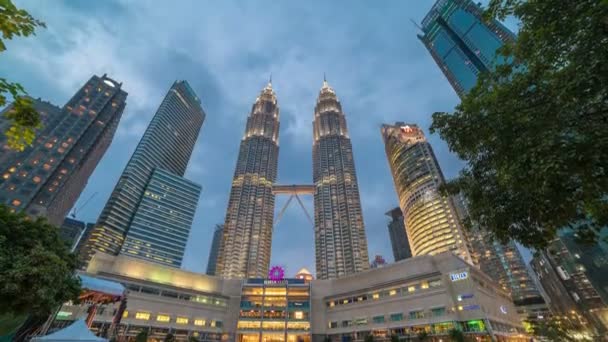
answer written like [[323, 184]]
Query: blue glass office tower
[[215, 248], [461, 42], [160, 160], [47, 178]]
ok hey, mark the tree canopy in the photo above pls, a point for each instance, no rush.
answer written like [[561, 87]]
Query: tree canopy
[[36, 266], [534, 132], [25, 120]]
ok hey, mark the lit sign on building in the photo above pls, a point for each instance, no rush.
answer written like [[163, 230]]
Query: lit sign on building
[[406, 129], [277, 273], [465, 296], [503, 309], [459, 276]]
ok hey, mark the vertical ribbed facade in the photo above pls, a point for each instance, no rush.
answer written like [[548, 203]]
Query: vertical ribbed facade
[[167, 144], [245, 248], [398, 235], [461, 42], [161, 225], [431, 220], [340, 242], [215, 249], [47, 178]]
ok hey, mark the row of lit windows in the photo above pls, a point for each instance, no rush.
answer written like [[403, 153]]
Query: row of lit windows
[[201, 322], [406, 290], [273, 325]]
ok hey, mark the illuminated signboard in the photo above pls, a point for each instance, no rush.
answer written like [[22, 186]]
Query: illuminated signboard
[[459, 276], [465, 296], [277, 273], [503, 309]]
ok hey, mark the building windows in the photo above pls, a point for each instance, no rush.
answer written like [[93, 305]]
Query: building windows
[[360, 321], [378, 319], [437, 312], [181, 320], [418, 314], [396, 317], [199, 322], [163, 318], [142, 315], [36, 179], [16, 202], [299, 315], [125, 314], [376, 296], [333, 325]]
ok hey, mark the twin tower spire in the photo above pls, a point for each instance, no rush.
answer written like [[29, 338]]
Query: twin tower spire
[[340, 242]]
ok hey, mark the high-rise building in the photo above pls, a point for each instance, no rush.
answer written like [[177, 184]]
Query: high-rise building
[[160, 227], [215, 248], [245, 248], [461, 42], [398, 235], [164, 150], [340, 242], [575, 276], [71, 230], [431, 220], [47, 178]]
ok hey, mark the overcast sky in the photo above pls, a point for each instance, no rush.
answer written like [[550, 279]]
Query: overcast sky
[[226, 50]]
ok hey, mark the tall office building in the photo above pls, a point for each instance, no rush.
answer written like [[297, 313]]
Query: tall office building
[[461, 42], [47, 178], [160, 159], [161, 224], [245, 248], [215, 248], [431, 220], [398, 235], [340, 243], [71, 230]]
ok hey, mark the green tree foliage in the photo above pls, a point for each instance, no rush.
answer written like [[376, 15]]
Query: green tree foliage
[[36, 267], [25, 120], [142, 336], [394, 338], [423, 336], [534, 131], [456, 335]]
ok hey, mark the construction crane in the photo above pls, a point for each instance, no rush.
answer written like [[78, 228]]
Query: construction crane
[[76, 210]]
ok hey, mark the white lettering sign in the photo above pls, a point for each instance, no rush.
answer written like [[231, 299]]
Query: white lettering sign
[[459, 276]]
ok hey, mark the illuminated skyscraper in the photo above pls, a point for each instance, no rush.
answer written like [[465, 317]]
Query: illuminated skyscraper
[[245, 248], [158, 163], [47, 178], [431, 220], [461, 42], [340, 243]]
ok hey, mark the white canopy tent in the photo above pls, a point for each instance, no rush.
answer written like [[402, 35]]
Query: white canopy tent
[[77, 331]]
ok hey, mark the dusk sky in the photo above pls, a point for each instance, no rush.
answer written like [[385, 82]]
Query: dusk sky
[[226, 50]]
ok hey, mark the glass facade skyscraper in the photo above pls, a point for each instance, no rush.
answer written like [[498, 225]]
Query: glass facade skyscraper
[[398, 235], [431, 220], [245, 247], [161, 224], [215, 248], [461, 42], [47, 178], [340, 242], [165, 146]]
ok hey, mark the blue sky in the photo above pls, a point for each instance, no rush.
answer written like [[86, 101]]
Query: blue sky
[[226, 50]]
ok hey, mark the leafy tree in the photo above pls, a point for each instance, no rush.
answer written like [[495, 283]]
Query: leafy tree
[[193, 339], [25, 120], [533, 131], [423, 336], [142, 336], [456, 335], [36, 267], [394, 338], [169, 338], [556, 330]]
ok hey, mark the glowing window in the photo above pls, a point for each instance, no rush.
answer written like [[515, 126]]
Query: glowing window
[[16, 202], [411, 288], [142, 315], [46, 166], [6, 175], [424, 285], [163, 318], [392, 292], [376, 295], [181, 320], [125, 314], [299, 315], [36, 179], [199, 322]]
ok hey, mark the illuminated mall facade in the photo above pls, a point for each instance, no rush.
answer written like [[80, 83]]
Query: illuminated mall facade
[[431, 294]]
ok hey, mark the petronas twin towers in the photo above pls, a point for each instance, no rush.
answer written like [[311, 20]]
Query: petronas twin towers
[[340, 242]]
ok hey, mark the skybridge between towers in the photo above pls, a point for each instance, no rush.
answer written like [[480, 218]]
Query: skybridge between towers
[[293, 190]]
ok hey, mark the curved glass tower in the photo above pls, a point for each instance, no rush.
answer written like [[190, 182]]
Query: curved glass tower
[[245, 247], [340, 243], [165, 146], [431, 220]]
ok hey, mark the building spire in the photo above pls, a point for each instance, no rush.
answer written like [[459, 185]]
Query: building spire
[[270, 79]]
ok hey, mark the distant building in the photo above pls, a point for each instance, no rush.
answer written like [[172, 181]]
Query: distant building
[[462, 42], [71, 230], [575, 278], [215, 247], [47, 178], [378, 262], [430, 218], [305, 274], [398, 235], [151, 189]]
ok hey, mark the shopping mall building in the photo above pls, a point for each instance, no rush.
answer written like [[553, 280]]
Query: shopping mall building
[[431, 294]]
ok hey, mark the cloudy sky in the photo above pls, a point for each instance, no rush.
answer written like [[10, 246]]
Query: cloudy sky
[[227, 50]]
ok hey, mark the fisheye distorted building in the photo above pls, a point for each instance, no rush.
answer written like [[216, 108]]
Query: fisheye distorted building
[[245, 247], [461, 42], [47, 178], [340, 242], [151, 188], [398, 235], [431, 220]]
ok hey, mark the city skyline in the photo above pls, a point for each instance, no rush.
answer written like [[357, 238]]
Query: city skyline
[[371, 95]]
